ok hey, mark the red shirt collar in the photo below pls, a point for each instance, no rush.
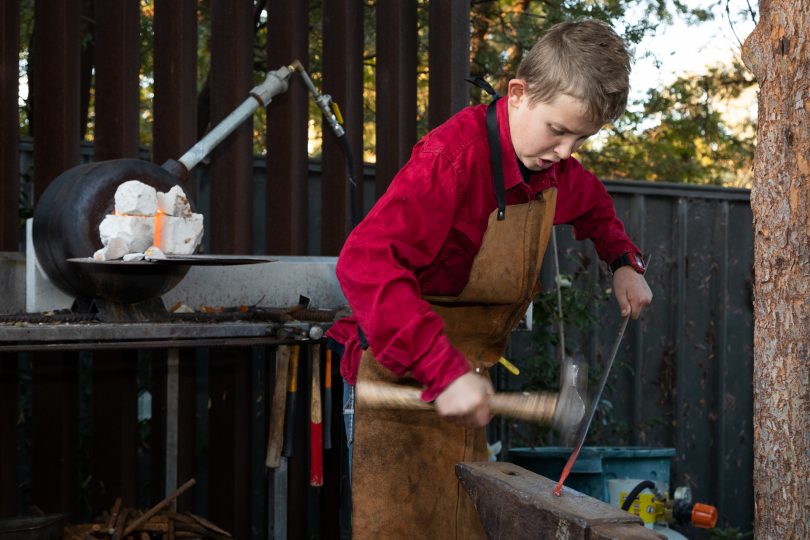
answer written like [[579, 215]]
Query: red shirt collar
[[511, 171]]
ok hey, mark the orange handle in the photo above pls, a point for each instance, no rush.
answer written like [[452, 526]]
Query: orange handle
[[704, 516]]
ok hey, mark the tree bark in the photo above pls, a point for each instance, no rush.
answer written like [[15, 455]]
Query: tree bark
[[777, 52]]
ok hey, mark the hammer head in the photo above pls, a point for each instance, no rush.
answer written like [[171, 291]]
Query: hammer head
[[573, 399]]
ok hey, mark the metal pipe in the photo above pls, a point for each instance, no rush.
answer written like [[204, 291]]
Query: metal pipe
[[324, 101], [275, 83]]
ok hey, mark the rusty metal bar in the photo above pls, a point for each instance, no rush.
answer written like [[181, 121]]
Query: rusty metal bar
[[396, 88], [287, 160], [175, 105], [117, 31], [149, 344], [343, 79], [130, 332], [449, 49], [231, 162], [55, 89], [9, 127]]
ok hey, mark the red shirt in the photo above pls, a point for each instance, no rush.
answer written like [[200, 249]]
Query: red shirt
[[423, 233]]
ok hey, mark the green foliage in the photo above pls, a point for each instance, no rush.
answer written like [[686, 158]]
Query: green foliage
[[582, 299], [502, 30], [732, 533], [680, 134]]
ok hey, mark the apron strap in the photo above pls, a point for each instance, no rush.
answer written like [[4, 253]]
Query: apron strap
[[494, 137]]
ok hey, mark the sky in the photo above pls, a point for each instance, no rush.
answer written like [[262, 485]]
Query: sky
[[683, 49]]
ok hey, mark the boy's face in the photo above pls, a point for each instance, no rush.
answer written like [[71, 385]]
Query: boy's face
[[544, 133]]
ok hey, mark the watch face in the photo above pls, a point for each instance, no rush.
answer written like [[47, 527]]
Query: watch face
[[638, 262]]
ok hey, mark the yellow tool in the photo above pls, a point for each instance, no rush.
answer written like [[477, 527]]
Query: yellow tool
[[510, 367]]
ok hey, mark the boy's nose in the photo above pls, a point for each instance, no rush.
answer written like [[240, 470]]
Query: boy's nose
[[564, 150]]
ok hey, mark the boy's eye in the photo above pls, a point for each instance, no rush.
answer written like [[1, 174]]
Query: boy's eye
[[556, 131]]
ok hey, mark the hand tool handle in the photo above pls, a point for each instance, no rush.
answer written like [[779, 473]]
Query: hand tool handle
[[275, 432], [315, 424], [289, 413], [522, 405], [327, 401]]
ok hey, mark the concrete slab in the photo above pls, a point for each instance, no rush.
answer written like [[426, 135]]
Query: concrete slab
[[12, 282], [273, 284], [41, 294]]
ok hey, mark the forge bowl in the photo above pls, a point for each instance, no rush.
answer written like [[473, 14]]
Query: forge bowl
[[66, 221], [127, 282]]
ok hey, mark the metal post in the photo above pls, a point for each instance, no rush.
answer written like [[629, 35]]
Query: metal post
[[172, 408]]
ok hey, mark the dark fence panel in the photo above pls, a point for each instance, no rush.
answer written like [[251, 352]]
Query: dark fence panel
[[682, 377]]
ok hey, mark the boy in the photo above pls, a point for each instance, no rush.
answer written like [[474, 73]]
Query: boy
[[447, 261]]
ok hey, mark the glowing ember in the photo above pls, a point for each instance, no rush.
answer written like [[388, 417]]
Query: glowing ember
[[145, 218]]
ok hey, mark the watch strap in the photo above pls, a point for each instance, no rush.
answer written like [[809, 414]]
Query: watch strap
[[632, 260]]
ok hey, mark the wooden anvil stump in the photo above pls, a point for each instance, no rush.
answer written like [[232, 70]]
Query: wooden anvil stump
[[515, 503]]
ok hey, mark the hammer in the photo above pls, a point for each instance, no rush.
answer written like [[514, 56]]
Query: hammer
[[563, 411]]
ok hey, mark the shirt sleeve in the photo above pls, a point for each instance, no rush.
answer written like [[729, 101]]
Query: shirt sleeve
[[376, 269], [589, 208]]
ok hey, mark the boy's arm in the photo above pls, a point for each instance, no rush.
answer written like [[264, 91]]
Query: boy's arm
[[404, 232], [589, 208]]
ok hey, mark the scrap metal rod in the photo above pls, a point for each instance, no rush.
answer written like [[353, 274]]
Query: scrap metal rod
[[586, 424]]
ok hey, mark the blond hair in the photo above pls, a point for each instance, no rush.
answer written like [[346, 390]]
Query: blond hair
[[584, 59]]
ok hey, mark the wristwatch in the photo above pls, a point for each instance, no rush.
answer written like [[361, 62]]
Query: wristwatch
[[633, 260]]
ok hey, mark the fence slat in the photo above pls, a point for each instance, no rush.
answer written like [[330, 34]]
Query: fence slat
[[114, 442], [343, 79], [449, 59], [55, 89], [9, 126], [117, 96], [232, 161], [174, 129], [395, 88], [287, 218], [54, 432], [8, 438]]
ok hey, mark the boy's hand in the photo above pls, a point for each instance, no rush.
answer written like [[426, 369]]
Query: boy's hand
[[466, 400], [631, 290]]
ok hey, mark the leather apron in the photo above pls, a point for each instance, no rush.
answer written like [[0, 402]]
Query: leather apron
[[403, 468]]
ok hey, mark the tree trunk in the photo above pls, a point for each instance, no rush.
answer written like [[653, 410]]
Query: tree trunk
[[777, 52]]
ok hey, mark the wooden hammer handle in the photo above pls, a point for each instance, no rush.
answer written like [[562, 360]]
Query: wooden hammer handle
[[523, 405]]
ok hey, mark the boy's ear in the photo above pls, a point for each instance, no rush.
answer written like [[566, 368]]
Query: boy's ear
[[516, 91]]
